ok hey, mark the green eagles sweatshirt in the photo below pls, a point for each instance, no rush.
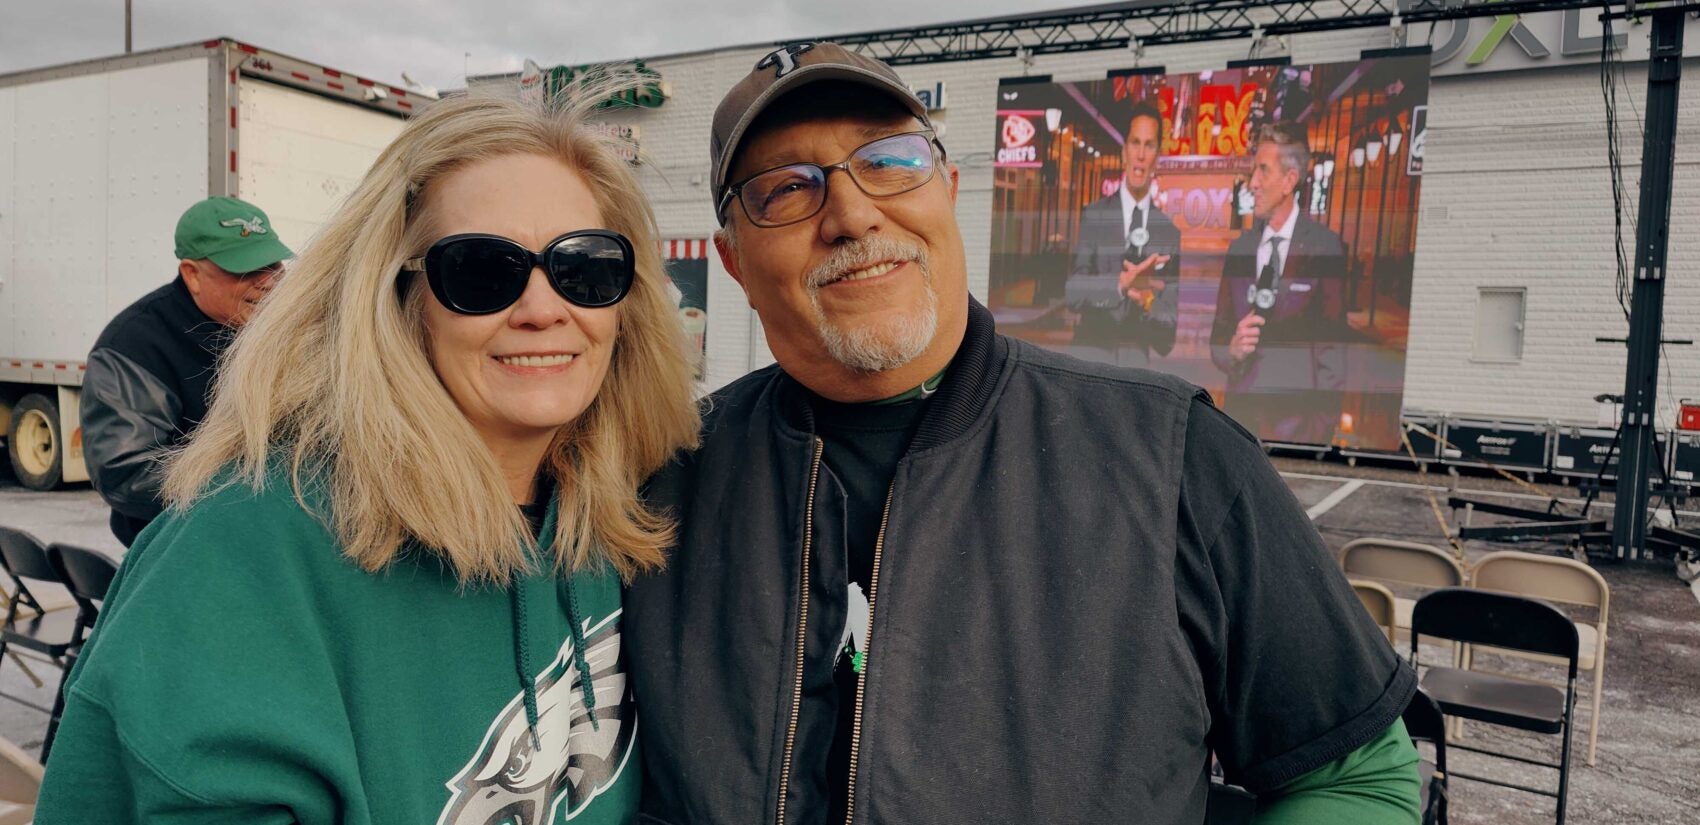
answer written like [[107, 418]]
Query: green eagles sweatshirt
[[244, 671]]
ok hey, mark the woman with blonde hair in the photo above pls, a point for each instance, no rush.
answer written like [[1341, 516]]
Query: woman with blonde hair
[[388, 589]]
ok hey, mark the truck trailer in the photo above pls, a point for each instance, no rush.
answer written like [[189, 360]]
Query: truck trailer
[[97, 161]]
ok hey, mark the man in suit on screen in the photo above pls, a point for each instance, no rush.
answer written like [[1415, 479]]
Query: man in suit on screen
[[1123, 285], [1280, 327]]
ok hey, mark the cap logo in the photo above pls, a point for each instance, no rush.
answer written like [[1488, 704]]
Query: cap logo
[[255, 226], [784, 60]]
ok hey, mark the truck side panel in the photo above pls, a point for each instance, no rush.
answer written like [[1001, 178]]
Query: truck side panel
[[302, 154], [60, 201], [157, 160], [103, 166], [10, 337]]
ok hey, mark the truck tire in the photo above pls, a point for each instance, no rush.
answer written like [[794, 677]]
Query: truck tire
[[36, 448]]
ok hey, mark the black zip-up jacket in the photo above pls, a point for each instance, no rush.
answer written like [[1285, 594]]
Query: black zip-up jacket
[[1088, 580], [148, 384]]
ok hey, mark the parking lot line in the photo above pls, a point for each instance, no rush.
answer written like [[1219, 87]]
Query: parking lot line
[[1339, 495]]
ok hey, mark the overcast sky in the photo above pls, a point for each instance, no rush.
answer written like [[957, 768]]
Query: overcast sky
[[430, 39]]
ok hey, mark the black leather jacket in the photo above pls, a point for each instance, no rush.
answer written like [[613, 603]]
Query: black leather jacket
[[148, 384]]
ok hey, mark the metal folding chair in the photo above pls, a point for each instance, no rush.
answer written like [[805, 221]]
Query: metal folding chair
[[1478, 617], [1566, 582], [1427, 726], [1226, 804], [1401, 566], [88, 575], [20, 781], [1380, 603], [29, 625]]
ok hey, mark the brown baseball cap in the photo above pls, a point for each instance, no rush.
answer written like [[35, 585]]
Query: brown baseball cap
[[781, 71]]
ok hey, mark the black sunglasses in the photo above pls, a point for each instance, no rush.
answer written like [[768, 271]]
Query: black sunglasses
[[795, 192], [477, 274]]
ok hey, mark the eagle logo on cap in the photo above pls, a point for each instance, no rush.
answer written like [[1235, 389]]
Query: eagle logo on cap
[[257, 226], [784, 60]]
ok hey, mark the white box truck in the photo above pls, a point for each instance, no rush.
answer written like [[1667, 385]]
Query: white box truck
[[97, 161]]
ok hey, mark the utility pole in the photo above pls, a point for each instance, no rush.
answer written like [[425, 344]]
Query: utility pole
[[127, 42], [1647, 301]]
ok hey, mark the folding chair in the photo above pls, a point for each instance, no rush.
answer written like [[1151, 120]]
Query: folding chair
[[1568, 582], [88, 575], [1227, 804], [1380, 603], [49, 632], [1401, 566], [20, 782], [1426, 725], [1479, 617]]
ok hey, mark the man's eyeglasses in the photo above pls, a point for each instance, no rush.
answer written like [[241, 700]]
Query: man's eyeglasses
[[795, 192], [264, 271]]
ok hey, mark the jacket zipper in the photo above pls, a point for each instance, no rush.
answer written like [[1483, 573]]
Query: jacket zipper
[[802, 632], [862, 677]]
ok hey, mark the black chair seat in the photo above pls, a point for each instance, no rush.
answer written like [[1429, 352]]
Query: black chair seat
[[52, 633], [1496, 699], [1229, 805]]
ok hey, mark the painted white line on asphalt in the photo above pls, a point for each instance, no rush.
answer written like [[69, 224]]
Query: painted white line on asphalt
[[1405, 485], [1339, 495]]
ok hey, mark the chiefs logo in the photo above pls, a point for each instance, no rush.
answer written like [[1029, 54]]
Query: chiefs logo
[[1018, 131], [1019, 148]]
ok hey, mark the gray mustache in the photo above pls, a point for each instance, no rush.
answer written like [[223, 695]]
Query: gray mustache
[[861, 254]]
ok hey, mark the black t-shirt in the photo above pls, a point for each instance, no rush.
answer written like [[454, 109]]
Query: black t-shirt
[[538, 509], [535, 512], [862, 445]]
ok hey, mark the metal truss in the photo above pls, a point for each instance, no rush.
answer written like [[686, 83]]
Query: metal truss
[[1139, 24]]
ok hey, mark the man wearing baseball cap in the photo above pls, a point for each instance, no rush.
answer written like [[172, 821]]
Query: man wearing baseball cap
[[151, 371], [926, 573]]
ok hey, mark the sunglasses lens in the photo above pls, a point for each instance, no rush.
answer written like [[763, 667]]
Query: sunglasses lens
[[591, 270], [482, 275]]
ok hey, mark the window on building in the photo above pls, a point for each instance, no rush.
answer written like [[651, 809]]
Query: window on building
[[1499, 323]]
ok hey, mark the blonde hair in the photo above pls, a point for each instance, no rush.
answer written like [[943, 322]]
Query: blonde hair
[[333, 372]]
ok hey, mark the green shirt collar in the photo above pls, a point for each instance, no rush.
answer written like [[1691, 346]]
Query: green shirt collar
[[923, 392]]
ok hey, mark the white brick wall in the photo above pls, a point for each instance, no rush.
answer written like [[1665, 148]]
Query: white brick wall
[[1515, 194]]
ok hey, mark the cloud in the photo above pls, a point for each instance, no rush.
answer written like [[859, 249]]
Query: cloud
[[437, 41]]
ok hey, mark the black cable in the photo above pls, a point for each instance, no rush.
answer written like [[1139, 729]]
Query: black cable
[[1614, 162], [1612, 74]]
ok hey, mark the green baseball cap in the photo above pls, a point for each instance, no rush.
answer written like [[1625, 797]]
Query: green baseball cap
[[234, 234]]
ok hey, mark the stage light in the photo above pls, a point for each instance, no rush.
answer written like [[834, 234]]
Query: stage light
[[1358, 156], [1393, 140], [1374, 147]]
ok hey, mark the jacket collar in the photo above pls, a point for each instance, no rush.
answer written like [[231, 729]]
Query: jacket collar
[[969, 384], [188, 317]]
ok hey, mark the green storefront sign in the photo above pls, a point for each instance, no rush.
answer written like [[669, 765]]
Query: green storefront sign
[[650, 94]]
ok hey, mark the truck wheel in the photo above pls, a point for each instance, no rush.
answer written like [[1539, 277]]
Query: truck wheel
[[36, 448]]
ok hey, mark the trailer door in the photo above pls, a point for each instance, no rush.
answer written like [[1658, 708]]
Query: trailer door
[[302, 154], [8, 218]]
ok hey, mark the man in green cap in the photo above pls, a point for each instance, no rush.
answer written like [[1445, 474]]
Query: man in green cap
[[150, 375]]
